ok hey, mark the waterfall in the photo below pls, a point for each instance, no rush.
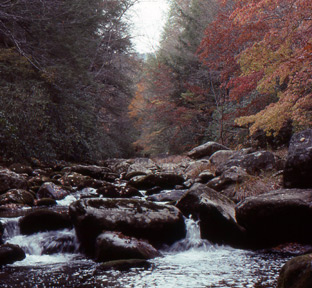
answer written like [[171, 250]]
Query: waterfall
[[43, 247], [192, 240]]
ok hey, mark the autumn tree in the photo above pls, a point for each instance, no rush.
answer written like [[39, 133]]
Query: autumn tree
[[261, 51], [175, 88]]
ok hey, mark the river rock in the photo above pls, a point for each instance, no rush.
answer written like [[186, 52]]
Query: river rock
[[277, 217], [220, 157], [296, 273], [163, 180], [159, 224], [21, 169], [168, 196], [109, 190], [51, 190], [253, 162], [11, 180], [45, 202], [116, 246], [94, 171], [206, 150], [233, 175], [11, 253], [1, 233], [298, 168], [73, 179], [205, 177], [215, 212], [43, 220], [17, 196], [194, 168]]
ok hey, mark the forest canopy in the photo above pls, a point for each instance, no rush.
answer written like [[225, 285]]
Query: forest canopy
[[226, 71], [65, 79]]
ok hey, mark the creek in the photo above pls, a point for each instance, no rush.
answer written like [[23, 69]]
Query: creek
[[53, 260]]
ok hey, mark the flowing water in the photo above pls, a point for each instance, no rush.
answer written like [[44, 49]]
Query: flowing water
[[53, 260]]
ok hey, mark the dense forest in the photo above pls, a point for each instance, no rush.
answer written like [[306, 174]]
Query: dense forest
[[230, 71], [73, 88]]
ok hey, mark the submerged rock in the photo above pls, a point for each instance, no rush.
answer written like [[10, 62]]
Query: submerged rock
[[10, 253], [159, 224], [116, 246], [296, 273], [215, 212], [277, 217], [298, 168]]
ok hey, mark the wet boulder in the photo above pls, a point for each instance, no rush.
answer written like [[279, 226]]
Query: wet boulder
[[215, 212], [109, 190], [43, 220], [163, 180], [206, 150], [253, 162], [116, 246], [296, 273], [159, 224], [277, 217], [298, 168], [11, 253], [11, 180], [51, 190], [17, 196]]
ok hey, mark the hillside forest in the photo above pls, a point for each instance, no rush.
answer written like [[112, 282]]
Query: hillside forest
[[73, 88]]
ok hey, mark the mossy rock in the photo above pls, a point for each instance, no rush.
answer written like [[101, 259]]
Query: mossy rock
[[296, 273]]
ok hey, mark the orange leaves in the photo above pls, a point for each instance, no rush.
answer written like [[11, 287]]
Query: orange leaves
[[270, 42]]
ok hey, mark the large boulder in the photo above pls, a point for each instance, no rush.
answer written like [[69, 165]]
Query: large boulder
[[17, 196], [159, 224], [298, 168], [253, 162], [110, 190], [277, 217], [215, 212], [11, 180], [116, 246], [163, 180], [51, 190], [206, 150], [296, 273], [10, 253], [43, 220]]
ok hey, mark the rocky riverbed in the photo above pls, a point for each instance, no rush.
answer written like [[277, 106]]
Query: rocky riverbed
[[125, 209]]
